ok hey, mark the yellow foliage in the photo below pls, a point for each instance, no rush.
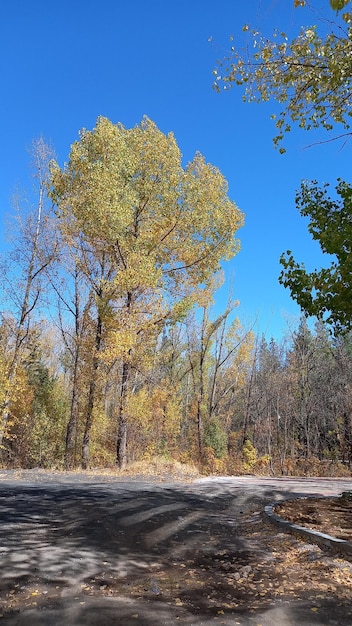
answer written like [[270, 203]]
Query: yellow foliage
[[165, 228], [3, 378], [250, 456], [148, 235], [155, 414], [102, 443], [21, 394]]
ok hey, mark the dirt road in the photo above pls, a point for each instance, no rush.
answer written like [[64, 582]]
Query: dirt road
[[84, 550]]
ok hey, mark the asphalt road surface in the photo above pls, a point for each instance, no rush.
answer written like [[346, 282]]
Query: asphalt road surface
[[96, 550]]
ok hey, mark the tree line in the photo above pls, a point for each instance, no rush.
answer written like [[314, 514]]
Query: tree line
[[110, 349], [206, 391]]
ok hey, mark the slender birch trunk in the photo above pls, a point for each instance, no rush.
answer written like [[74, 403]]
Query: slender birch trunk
[[29, 301]]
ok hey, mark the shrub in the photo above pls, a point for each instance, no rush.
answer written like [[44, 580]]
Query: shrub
[[215, 437]]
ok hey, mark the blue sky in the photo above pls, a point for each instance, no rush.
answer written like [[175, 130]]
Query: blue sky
[[64, 63]]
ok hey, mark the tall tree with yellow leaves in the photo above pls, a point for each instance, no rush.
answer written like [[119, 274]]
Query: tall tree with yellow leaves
[[163, 229]]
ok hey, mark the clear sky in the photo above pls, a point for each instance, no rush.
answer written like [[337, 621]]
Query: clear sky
[[65, 62]]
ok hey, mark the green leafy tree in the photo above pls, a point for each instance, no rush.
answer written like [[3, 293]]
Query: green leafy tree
[[311, 78], [324, 292], [48, 411], [215, 437]]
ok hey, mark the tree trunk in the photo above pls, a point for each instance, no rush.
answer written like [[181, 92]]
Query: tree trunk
[[247, 410], [91, 395], [71, 433], [347, 448], [200, 428], [122, 419], [121, 452]]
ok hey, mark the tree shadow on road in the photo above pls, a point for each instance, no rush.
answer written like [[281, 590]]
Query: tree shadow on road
[[147, 554]]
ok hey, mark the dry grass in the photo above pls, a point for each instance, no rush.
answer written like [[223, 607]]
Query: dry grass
[[156, 467]]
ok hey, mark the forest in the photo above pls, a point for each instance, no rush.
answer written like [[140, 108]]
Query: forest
[[111, 351]]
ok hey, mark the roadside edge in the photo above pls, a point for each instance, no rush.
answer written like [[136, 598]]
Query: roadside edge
[[339, 545]]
